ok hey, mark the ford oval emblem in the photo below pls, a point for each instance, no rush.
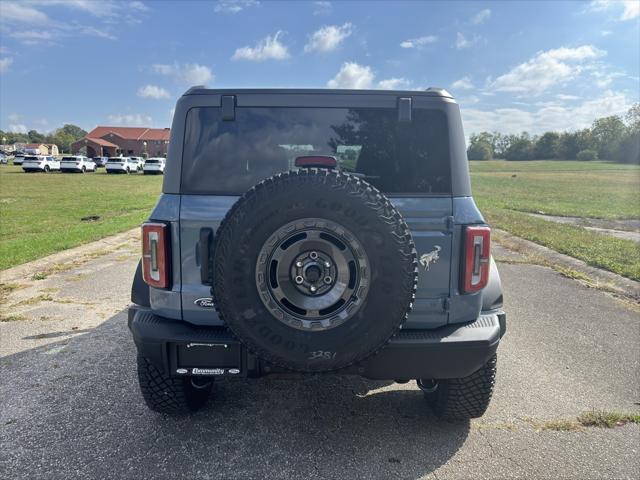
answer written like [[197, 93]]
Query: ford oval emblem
[[205, 302]]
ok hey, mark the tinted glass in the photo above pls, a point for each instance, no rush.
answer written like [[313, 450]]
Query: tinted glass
[[397, 157]]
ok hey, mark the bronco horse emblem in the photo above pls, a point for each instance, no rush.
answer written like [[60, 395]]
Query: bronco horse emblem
[[432, 256]]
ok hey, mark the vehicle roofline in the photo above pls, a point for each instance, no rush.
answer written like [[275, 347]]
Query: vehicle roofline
[[430, 92]]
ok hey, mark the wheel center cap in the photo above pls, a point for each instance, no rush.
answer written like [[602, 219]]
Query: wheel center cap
[[312, 273]]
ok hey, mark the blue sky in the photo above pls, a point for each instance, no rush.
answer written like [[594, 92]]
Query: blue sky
[[512, 66]]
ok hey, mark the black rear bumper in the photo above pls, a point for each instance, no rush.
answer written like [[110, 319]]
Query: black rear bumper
[[453, 351]]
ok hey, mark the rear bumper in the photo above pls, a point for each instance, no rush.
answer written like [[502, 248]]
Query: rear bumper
[[453, 351]]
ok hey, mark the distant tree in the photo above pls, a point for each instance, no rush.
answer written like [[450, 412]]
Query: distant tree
[[73, 130], [35, 137], [480, 146], [546, 146], [520, 147], [500, 144], [479, 151], [587, 155], [570, 143], [633, 118], [628, 150], [608, 132], [67, 135]]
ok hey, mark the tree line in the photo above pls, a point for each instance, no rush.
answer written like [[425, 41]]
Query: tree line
[[609, 138], [63, 137]]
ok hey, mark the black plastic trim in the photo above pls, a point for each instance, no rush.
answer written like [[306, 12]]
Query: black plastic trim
[[452, 351], [139, 289]]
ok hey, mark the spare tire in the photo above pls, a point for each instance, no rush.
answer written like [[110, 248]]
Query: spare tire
[[314, 270]]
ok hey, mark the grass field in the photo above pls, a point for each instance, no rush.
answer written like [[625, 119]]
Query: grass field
[[41, 213], [507, 191]]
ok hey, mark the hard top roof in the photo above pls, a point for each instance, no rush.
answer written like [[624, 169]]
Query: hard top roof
[[202, 90]]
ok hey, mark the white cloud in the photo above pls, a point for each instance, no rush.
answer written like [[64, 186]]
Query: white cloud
[[546, 69], [153, 91], [131, 119], [269, 48], [5, 63], [14, 12], [550, 117], [631, 10], [322, 8], [562, 96], [234, 6], [189, 73], [626, 9], [352, 75], [481, 17], [18, 128], [97, 32], [328, 38], [464, 42], [463, 83], [419, 42], [394, 84]]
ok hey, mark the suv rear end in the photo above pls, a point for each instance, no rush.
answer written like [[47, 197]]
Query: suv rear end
[[402, 153]]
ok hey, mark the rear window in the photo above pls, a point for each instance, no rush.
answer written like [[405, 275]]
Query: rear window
[[69, 159], [229, 157], [151, 161]]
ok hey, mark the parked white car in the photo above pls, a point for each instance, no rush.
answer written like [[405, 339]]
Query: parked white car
[[121, 165], [153, 165], [40, 163], [140, 162], [18, 159], [77, 163]]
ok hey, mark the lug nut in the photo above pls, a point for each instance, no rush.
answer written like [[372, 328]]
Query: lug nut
[[299, 279], [327, 279], [313, 255], [298, 264], [312, 288]]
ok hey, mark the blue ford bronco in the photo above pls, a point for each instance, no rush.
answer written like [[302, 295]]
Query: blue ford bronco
[[317, 231]]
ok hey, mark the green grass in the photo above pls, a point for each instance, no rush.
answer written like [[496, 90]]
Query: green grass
[[564, 188], [40, 213], [604, 419]]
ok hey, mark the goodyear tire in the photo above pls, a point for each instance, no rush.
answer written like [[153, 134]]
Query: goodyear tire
[[462, 398], [165, 394], [314, 270]]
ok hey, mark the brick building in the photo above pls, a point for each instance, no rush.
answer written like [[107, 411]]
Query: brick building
[[116, 141]]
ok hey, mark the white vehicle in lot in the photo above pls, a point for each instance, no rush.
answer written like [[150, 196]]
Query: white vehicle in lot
[[140, 162], [77, 163], [153, 165], [40, 163], [18, 159], [121, 165]]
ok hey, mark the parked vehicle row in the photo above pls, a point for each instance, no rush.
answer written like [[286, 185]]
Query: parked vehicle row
[[83, 164]]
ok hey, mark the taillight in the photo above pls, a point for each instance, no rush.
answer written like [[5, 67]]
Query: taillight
[[477, 251], [155, 254]]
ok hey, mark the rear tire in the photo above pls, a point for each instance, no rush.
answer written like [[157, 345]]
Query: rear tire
[[46, 169], [84, 169], [165, 394], [461, 398]]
